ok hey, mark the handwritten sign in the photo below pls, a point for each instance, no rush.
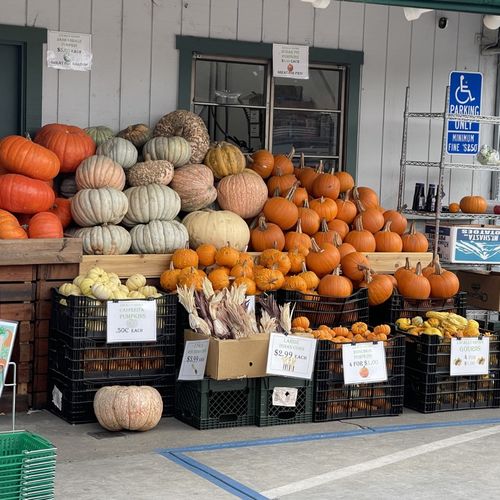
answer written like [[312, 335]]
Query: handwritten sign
[[131, 321], [291, 61], [67, 50], [194, 360], [8, 331], [470, 356], [291, 356], [364, 363], [285, 396]]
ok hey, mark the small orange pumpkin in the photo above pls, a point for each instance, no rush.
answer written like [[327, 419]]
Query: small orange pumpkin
[[185, 257], [414, 286], [414, 241], [388, 241], [170, 278], [334, 285], [206, 254], [301, 322], [227, 256]]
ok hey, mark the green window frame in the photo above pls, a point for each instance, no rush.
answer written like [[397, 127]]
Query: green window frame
[[351, 60], [31, 41]]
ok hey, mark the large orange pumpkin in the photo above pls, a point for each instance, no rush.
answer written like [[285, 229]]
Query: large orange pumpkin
[[414, 241], [327, 185], [282, 211], [334, 285], [414, 285], [71, 144], [266, 235], [21, 194], [10, 228], [361, 239], [45, 225]]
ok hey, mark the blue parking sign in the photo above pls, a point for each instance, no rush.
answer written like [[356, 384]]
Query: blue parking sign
[[465, 99]]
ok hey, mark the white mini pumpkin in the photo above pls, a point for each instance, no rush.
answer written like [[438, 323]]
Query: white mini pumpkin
[[135, 282]]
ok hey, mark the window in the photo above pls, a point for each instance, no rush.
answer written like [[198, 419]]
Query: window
[[230, 85]]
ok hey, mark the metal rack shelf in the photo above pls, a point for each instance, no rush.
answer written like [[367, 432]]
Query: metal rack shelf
[[492, 120], [464, 166], [448, 215]]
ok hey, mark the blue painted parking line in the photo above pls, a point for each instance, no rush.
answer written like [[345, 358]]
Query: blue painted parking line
[[177, 455]]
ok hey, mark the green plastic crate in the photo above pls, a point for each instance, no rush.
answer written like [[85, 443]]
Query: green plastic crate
[[27, 466]]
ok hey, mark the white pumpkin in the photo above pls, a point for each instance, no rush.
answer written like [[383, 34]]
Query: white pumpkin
[[148, 290], [135, 282], [77, 281], [98, 274], [119, 150], [158, 237], [151, 202], [134, 294], [119, 295], [176, 150], [217, 228], [134, 408], [101, 291], [69, 289], [91, 207], [104, 240]]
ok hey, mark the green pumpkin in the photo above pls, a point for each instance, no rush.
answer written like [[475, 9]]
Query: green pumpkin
[[100, 133]]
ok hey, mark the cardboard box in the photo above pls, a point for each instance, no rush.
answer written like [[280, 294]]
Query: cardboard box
[[472, 244], [482, 287], [231, 359]]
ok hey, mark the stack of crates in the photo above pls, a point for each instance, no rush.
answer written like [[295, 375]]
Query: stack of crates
[[81, 361], [27, 466]]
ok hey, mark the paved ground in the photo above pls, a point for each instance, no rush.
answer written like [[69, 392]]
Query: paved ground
[[447, 456]]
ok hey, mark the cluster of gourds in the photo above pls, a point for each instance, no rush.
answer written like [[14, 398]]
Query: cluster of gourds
[[101, 285], [441, 324], [358, 332]]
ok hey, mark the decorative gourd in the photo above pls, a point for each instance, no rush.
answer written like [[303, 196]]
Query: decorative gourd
[[398, 221], [91, 207], [68, 187], [206, 254], [24, 195], [311, 221], [268, 257], [45, 225], [414, 241], [262, 162], [387, 241], [294, 283], [414, 285], [242, 270], [224, 159], [444, 284], [346, 181], [99, 171], [326, 235], [346, 209], [158, 237], [380, 287], [189, 126], [190, 276], [310, 277], [151, 202], [267, 235], [119, 150], [326, 185], [99, 133], [150, 172], [251, 287], [104, 240], [278, 260], [70, 144], [219, 278], [281, 211], [340, 227], [473, 205], [244, 194], [281, 182], [175, 150], [361, 239], [185, 257], [297, 259], [62, 208], [334, 285], [325, 208], [137, 134], [19, 155], [246, 258], [10, 229], [170, 278], [284, 163], [227, 256], [322, 259], [268, 280], [372, 218], [195, 186], [217, 228], [366, 195], [297, 239], [353, 265], [134, 408], [301, 322]]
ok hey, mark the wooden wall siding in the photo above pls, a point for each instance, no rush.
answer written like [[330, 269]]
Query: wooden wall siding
[[136, 66]]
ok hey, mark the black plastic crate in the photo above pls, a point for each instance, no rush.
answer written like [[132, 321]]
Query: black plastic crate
[[215, 404], [431, 353], [335, 401], [435, 392], [77, 397], [322, 310], [400, 307], [328, 364], [82, 317], [268, 414]]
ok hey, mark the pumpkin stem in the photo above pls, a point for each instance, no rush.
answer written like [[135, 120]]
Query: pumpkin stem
[[291, 153], [336, 271], [412, 230], [361, 208], [387, 227], [262, 223], [306, 204], [407, 264], [178, 132], [358, 223], [324, 226], [337, 240], [276, 193], [302, 160], [299, 226], [250, 159], [418, 269], [27, 136], [147, 157], [315, 247], [437, 268], [291, 192]]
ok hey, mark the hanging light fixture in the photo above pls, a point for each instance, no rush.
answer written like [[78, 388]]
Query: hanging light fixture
[[491, 22], [318, 4], [412, 14]]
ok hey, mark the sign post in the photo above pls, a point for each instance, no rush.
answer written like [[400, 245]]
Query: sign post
[[465, 99]]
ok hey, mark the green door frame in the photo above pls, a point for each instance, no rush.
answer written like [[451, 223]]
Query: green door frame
[[31, 41], [352, 60], [473, 6]]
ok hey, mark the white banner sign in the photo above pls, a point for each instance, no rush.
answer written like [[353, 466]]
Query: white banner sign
[[69, 50], [291, 356], [470, 356], [131, 321], [194, 360], [364, 363], [291, 61]]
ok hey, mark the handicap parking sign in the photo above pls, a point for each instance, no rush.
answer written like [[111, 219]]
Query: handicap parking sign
[[465, 99]]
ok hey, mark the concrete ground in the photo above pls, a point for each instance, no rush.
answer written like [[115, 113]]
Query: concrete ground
[[451, 455]]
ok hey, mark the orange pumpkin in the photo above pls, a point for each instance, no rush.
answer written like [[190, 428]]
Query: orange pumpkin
[[251, 287], [454, 208], [301, 322], [62, 208], [297, 239], [326, 235], [284, 163], [268, 280], [388, 241], [444, 284], [227, 256], [372, 218], [327, 185], [380, 287], [346, 181], [334, 285], [297, 259], [294, 283], [300, 196], [309, 218], [262, 161], [310, 277], [414, 241], [169, 278], [346, 209], [473, 205], [322, 259], [366, 195], [10, 229], [343, 248], [281, 182], [267, 235], [185, 257], [45, 225], [404, 269], [398, 221], [361, 239], [325, 208], [206, 254], [219, 278], [340, 227], [307, 175], [281, 211], [353, 265], [414, 286]]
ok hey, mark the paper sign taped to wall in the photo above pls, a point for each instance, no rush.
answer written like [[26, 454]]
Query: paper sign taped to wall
[[67, 50]]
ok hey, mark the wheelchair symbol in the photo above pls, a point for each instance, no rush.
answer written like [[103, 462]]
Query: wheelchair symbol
[[464, 92]]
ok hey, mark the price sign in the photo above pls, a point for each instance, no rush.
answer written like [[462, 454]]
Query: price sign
[[291, 356], [194, 360], [131, 321], [470, 356], [291, 61], [364, 363]]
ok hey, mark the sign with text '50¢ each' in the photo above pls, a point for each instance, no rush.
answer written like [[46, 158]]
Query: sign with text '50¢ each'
[[194, 359], [470, 356], [364, 363], [131, 321], [291, 356]]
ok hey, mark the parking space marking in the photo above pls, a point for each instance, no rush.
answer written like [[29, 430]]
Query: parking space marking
[[376, 463]]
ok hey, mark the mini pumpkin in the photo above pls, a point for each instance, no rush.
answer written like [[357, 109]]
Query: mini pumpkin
[[206, 254], [294, 283], [251, 287], [301, 322], [227, 256], [268, 280], [334, 285], [185, 257], [170, 278], [219, 278]]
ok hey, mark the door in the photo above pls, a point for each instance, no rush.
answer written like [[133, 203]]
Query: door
[[10, 89]]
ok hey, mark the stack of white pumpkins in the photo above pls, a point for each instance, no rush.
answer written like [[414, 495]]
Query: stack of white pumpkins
[[101, 285]]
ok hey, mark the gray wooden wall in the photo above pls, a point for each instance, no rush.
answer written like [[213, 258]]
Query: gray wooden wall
[[134, 75]]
